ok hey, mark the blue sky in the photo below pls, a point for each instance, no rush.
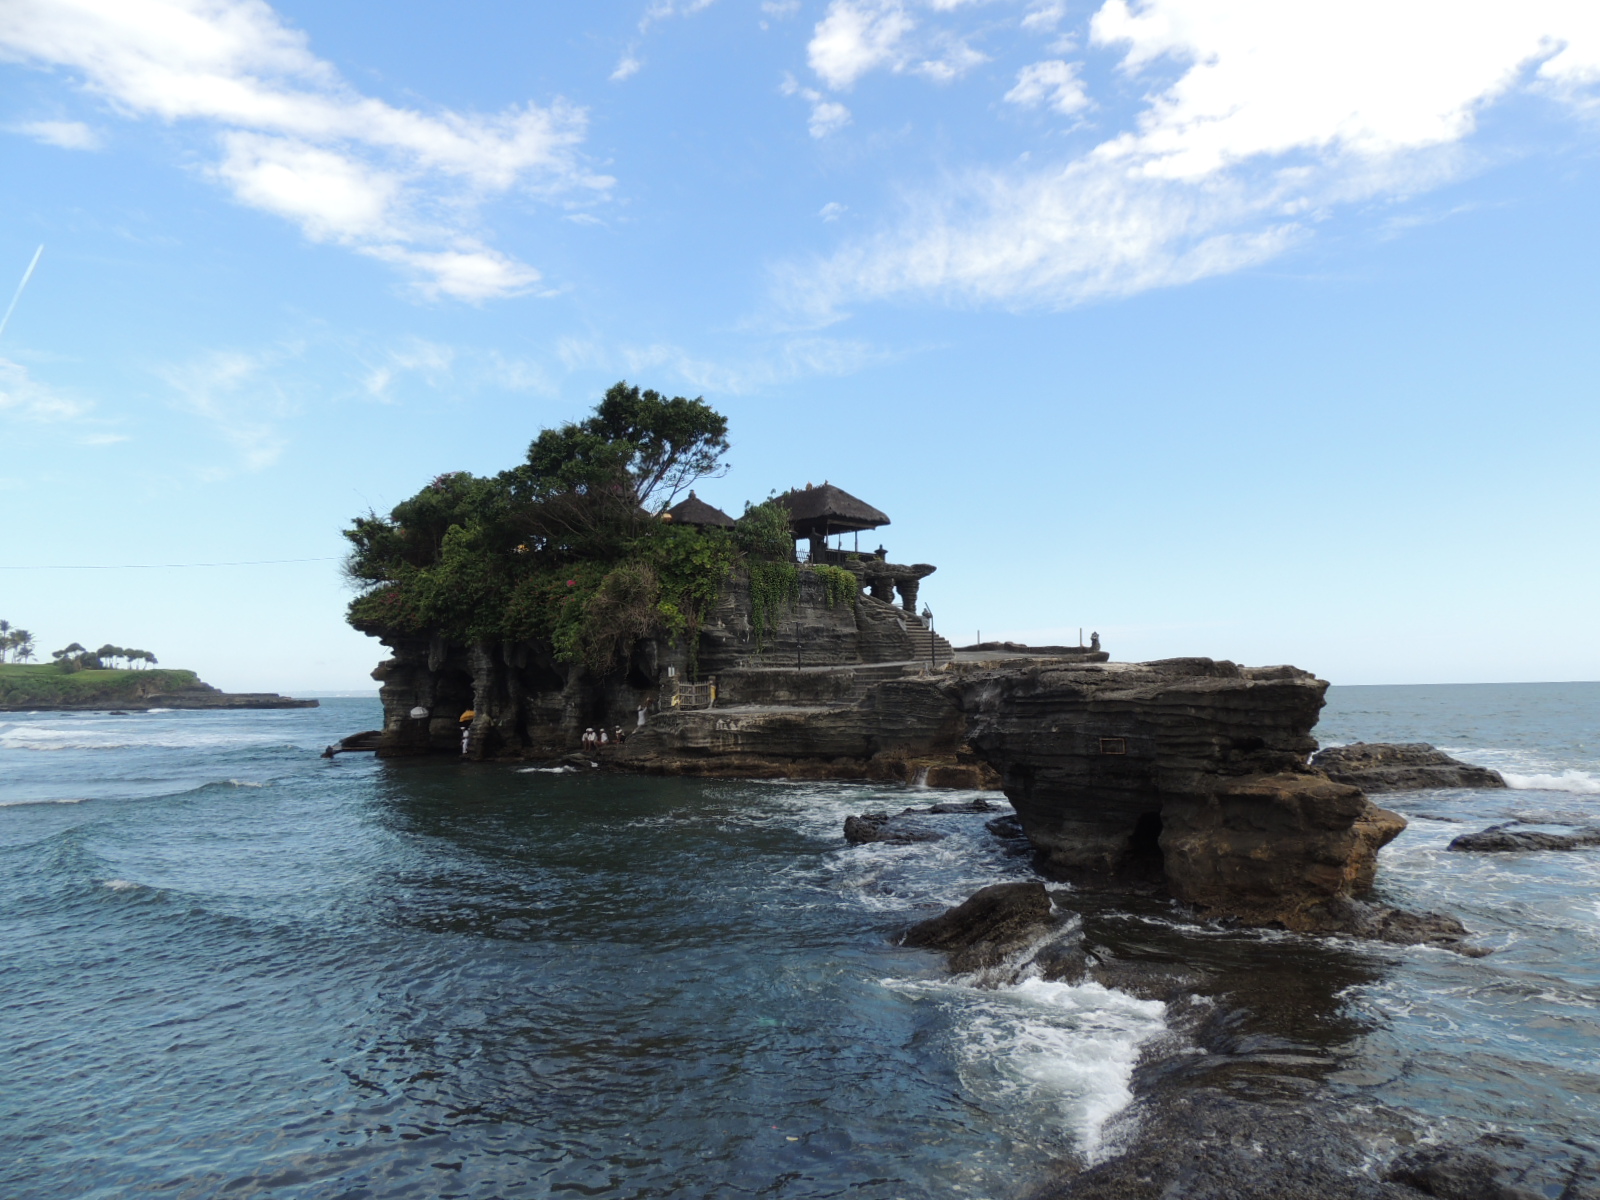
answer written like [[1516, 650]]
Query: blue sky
[[1257, 331]]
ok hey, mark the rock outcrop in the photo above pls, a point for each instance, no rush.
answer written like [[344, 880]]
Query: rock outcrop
[[982, 930], [1503, 839], [1188, 770], [1401, 767]]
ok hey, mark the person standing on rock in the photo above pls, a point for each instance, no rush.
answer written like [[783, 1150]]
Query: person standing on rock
[[466, 728]]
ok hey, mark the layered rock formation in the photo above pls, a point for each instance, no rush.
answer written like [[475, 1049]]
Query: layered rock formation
[[1187, 770], [1503, 839], [1401, 767]]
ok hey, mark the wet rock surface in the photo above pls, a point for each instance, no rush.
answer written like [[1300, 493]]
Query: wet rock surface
[[1503, 839], [1379, 923], [1465, 1173], [1401, 767], [881, 827], [1248, 1096], [980, 932]]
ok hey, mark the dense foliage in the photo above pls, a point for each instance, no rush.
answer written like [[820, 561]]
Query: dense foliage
[[45, 685], [567, 546]]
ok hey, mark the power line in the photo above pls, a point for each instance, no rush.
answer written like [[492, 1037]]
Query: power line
[[266, 562]]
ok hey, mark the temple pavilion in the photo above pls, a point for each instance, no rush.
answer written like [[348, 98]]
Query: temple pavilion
[[818, 513], [695, 511]]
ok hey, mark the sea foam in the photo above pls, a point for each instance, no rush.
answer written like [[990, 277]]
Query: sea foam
[[1582, 783]]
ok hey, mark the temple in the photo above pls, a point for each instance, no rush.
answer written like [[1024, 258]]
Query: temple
[[820, 682]]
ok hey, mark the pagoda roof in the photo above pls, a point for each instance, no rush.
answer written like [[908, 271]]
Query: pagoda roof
[[695, 511], [823, 510]]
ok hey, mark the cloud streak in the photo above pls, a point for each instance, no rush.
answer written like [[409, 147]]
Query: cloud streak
[[396, 184], [1260, 120]]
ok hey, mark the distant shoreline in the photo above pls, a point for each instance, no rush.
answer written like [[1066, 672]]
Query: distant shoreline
[[46, 688]]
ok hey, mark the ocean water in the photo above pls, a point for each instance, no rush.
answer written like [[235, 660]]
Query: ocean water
[[230, 967]]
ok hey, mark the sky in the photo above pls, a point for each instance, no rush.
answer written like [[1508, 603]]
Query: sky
[[1258, 331]]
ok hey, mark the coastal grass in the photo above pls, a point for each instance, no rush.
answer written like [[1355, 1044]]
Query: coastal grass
[[24, 684]]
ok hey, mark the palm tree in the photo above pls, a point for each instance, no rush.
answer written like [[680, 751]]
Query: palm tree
[[5, 639], [22, 643]]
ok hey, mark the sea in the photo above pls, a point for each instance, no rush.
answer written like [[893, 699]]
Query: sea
[[230, 967]]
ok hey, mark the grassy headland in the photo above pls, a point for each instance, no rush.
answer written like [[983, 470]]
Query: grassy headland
[[47, 685]]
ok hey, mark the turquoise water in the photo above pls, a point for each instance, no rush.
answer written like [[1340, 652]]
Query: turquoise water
[[233, 968]]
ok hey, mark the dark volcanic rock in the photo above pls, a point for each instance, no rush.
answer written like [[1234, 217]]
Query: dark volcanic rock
[[978, 932], [979, 805], [1207, 1145], [1186, 770], [1457, 1173], [881, 827], [1401, 767], [1396, 926], [1503, 839]]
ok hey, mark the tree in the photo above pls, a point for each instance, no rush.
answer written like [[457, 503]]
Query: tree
[[22, 645], [71, 658], [5, 639], [637, 442]]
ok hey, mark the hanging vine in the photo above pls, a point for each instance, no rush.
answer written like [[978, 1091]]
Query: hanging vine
[[840, 586], [774, 587]]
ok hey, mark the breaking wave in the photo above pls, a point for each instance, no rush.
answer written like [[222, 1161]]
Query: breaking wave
[[1582, 783]]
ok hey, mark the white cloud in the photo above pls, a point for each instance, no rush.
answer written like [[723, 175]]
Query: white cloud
[[24, 398], [627, 67], [1055, 83], [1043, 18], [69, 135], [857, 36], [833, 210], [299, 142], [955, 59], [827, 116], [1262, 118]]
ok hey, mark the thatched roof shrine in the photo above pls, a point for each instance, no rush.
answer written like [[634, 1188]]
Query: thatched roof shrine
[[695, 511], [819, 511]]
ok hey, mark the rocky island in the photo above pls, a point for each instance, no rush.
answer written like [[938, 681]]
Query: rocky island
[[569, 610]]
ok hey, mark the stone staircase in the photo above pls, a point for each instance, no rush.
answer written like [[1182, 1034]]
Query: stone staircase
[[926, 644]]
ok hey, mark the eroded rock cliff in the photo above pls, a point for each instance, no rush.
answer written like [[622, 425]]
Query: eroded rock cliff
[[1188, 771]]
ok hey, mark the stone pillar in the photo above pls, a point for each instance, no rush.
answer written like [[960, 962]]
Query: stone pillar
[[908, 593]]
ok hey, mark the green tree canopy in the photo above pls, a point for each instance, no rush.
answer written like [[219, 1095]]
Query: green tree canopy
[[562, 546]]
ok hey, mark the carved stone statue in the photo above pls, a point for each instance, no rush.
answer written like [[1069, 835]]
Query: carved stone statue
[[1094, 641]]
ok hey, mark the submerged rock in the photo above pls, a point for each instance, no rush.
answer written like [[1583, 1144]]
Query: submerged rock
[[881, 827], [980, 931], [1379, 923], [1504, 839], [979, 805], [1459, 1173], [1401, 767]]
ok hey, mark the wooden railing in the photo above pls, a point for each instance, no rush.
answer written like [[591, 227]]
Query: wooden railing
[[693, 695]]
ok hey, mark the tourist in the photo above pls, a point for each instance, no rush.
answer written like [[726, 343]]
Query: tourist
[[618, 736]]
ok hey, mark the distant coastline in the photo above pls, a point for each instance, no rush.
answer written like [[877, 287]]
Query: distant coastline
[[32, 688]]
